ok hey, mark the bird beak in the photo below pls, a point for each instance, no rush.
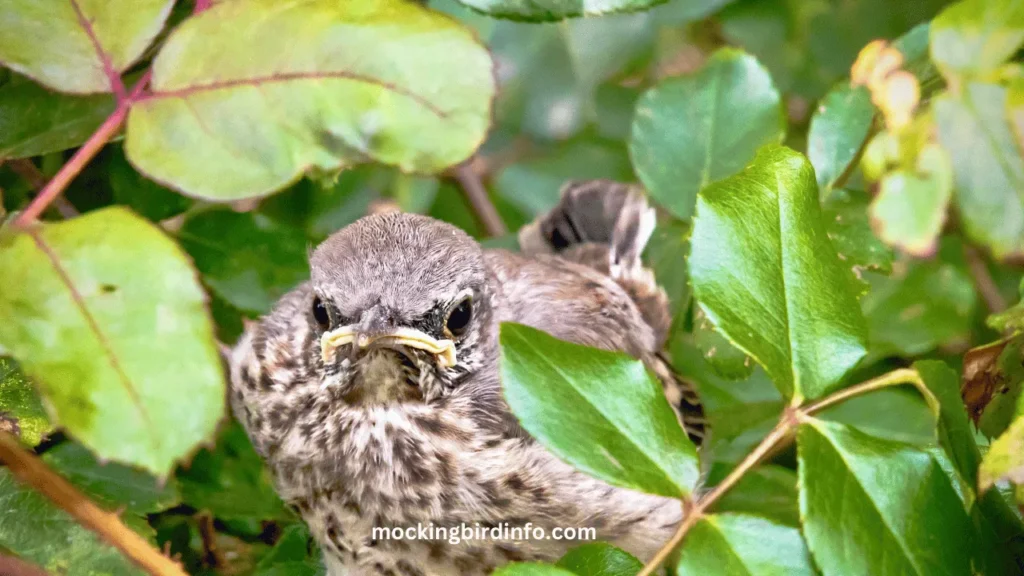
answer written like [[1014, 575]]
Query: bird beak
[[443, 350]]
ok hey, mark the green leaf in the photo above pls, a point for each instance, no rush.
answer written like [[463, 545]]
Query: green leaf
[[113, 484], [977, 36], [246, 258], [955, 433], [768, 491], [924, 304], [899, 414], [21, 410], [35, 121], [725, 359], [43, 534], [1005, 458], [549, 10], [846, 219], [533, 185], [230, 481], [910, 208], [874, 506], [838, 129], [290, 555], [531, 569], [741, 545], [767, 275], [87, 44], [96, 309], [600, 411], [145, 197], [988, 168], [413, 89], [1009, 320], [697, 129], [666, 255], [600, 559]]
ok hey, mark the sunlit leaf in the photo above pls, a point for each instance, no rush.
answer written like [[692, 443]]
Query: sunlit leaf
[[626, 434], [988, 168], [531, 569], [974, 36], [873, 506], [21, 410], [910, 208], [765, 272], [694, 130], [96, 309], [81, 45], [846, 219], [380, 80], [741, 545]]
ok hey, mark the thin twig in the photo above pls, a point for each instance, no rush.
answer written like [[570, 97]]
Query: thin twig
[[473, 189], [776, 438], [31, 470], [983, 280], [11, 566], [67, 173]]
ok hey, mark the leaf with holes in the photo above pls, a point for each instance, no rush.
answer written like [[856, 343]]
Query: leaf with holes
[[741, 545], [602, 412], [105, 314], [874, 506], [694, 130], [381, 80], [765, 272], [78, 46]]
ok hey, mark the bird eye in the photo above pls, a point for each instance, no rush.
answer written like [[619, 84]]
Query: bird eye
[[323, 319], [459, 317]]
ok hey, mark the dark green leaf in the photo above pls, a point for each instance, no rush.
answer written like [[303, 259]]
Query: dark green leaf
[[600, 559], [246, 258], [86, 43], [533, 185], [291, 556], [873, 506], [839, 127], [625, 434], [113, 484], [415, 94], [924, 304], [694, 130], [666, 255], [548, 10], [768, 491], [97, 308], [988, 169], [230, 481], [35, 121], [43, 534], [767, 275], [21, 410], [899, 414], [975, 36], [741, 545], [142, 195]]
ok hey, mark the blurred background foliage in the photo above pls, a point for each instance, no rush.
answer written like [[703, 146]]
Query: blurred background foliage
[[565, 110]]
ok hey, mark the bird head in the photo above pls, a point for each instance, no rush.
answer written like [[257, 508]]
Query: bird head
[[402, 307]]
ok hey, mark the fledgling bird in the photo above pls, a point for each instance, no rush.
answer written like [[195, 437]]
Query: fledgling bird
[[372, 391]]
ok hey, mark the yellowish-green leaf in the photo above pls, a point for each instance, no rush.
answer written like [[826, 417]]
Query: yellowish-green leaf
[[106, 315], [240, 107]]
